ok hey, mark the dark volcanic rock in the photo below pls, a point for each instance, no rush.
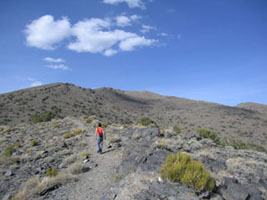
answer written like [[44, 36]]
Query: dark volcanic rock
[[234, 190]]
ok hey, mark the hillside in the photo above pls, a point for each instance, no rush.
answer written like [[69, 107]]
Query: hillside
[[43, 161], [126, 107], [57, 159], [261, 108]]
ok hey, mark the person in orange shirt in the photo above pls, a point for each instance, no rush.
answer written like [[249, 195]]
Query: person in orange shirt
[[100, 135]]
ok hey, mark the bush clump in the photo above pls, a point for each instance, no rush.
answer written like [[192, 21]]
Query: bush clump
[[89, 121], [146, 121], [182, 168], [9, 150], [43, 117], [35, 143], [177, 130], [52, 171], [208, 133], [74, 133]]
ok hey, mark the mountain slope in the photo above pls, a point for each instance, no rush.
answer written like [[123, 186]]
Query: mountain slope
[[126, 107]]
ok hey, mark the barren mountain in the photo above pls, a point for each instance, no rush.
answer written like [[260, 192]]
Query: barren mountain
[[245, 121]]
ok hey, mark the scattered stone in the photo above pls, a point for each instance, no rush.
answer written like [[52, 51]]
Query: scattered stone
[[9, 173]]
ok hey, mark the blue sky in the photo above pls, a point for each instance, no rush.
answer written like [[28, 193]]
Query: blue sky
[[209, 50]]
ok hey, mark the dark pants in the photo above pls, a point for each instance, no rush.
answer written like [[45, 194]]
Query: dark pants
[[99, 143]]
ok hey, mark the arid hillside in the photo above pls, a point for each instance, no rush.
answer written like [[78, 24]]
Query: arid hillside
[[246, 121]]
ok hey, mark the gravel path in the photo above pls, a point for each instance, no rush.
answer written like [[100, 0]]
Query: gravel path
[[95, 183]]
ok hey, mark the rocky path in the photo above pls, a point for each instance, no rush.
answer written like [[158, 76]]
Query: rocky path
[[95, 183]]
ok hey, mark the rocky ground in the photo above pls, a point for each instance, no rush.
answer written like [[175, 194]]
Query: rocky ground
[[129, 168]]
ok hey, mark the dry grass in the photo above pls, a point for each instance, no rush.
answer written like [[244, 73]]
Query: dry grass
[[77, 168], [35, 186], [70, 159]]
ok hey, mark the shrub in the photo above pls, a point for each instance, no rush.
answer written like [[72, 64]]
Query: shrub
[[84, 116], [208, 133], [70, 159], [84, 155], [74, 133], [177, 130], [77, 168], [29, 152], [89, 121], [104, 124], [52, 171], [43, 117], [145, 121], [74, 115], [182, 168], [35, 143], [9, 150]]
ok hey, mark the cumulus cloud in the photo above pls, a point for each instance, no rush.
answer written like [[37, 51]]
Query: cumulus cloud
[[34, 82], [131, 43], [123, 21], [93, 35], [126, 21], [61, 67], [54, 60], [146, 28], [131, 3], [135, 17], [45, 32]]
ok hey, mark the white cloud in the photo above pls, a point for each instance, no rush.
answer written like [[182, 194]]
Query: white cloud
[[146, 28], [44, 32], [93, 35], [135, 17], [123, 21], [131, 3], [61, 66], [163, 34], [53, 60], [110, 52], [131, 43], [34, 82]]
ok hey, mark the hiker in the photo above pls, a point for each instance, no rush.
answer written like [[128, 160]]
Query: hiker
[[100, 135]]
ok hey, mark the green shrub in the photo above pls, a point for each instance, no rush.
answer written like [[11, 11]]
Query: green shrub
[[74, 133], [52, 171], [35, 143], [74, 115], [182, 168], [9, 150], [43, 117], [208, 133], [84, 116], [69, 135], [145, 121], [177, 130], [239, 144], [104, 124], [84, 155], [89, 121]]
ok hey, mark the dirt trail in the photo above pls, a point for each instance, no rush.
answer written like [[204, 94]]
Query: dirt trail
[[95, 183]]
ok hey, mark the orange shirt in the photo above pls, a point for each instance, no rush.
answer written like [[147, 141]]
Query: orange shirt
[[99, 131]]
